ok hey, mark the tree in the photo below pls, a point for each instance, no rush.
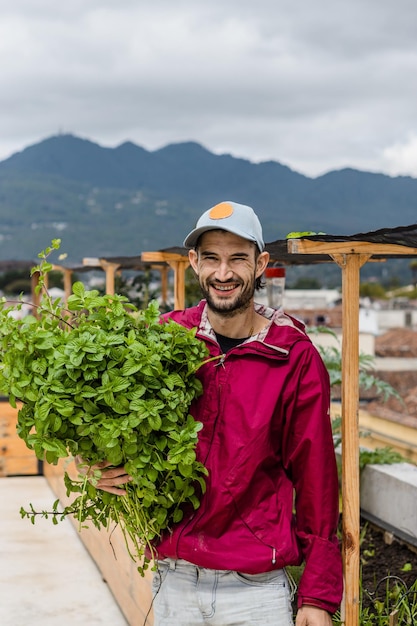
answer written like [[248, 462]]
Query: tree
[[306, 282], [372, 290]]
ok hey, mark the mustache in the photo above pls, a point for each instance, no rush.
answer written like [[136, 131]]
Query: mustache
[[230, 281]]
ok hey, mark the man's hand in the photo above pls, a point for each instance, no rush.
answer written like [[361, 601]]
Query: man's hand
[[312, 616], [110, 479]]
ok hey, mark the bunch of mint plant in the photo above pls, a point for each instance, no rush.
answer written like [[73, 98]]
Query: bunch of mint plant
[[105, 381]]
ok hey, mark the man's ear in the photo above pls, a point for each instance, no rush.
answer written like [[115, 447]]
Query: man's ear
[[193, 258], [261, 263]]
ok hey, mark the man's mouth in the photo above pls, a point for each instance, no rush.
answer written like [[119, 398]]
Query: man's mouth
[[225, 288]]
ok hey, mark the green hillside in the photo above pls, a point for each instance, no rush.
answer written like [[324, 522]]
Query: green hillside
[[121, 201]]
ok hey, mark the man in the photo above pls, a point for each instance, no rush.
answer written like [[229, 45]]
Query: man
[[272, 488]]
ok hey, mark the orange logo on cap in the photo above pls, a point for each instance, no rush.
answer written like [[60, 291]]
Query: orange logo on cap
[[220, 211]]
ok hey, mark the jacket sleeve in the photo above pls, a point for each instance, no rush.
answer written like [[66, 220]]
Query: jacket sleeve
[[310, 461]]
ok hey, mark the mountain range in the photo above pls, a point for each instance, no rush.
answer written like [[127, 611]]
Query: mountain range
[[121, 201]]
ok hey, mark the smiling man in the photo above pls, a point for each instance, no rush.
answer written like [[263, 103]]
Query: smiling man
[[266, 435], [272, 490]]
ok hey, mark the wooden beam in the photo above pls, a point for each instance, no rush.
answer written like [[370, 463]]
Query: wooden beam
[[162, 257], [308, 246]]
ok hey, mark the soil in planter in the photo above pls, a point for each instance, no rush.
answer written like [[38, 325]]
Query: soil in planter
[[380, 559]]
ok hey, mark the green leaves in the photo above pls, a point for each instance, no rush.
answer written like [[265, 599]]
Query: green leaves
[[108, 382]]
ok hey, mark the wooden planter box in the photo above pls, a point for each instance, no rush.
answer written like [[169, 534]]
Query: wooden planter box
[[132, 592], [15, 459]]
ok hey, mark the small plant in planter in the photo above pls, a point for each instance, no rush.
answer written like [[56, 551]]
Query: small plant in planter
[[106, 381], [392, 604]]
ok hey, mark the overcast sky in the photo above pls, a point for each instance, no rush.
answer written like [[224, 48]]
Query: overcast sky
[[314, 85]]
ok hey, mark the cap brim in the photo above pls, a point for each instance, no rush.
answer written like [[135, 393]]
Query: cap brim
[[191, 239]]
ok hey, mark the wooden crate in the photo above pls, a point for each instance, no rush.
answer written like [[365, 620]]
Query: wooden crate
[[15, 458], [132, 592]]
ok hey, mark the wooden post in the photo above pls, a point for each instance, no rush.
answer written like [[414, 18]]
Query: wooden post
[[36, 297], [67, 282], [67, 278], [179, 264], [110, 271], [179, 268], [350, 265], [164, 283], [163, 269]]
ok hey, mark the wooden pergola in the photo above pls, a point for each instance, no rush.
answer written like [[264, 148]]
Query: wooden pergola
[[350, 253], [112, 266]]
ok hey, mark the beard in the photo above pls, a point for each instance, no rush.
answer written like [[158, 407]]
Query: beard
[[233, 306]]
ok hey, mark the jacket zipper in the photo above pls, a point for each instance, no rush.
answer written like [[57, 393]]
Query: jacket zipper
[[221, 361], [201, 511]]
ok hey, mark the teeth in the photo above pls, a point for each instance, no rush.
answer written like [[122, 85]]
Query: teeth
[[225, 288]]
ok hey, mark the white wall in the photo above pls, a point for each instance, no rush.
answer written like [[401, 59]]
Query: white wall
[[326, 340], [309, 298], [394, 318]]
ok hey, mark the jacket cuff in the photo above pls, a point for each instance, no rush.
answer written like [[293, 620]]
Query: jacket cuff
[[321, 583], [318, 604]]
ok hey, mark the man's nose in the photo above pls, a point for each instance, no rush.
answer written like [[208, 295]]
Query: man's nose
[[224, 271]]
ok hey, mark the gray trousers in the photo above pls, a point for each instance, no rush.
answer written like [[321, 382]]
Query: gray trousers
[[187, 595]]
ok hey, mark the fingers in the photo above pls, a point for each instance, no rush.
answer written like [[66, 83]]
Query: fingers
[[112, 479], [113, 473], [109, 480]]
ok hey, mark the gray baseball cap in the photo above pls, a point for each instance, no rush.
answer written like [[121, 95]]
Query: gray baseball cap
[[235, 218]]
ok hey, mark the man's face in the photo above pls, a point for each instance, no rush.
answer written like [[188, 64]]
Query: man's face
[[227, 267]]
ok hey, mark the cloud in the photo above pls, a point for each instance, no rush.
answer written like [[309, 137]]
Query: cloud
[[401, 158], [317, 86]]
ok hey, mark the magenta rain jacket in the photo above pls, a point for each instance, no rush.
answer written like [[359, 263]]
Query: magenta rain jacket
[[266, 435]]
